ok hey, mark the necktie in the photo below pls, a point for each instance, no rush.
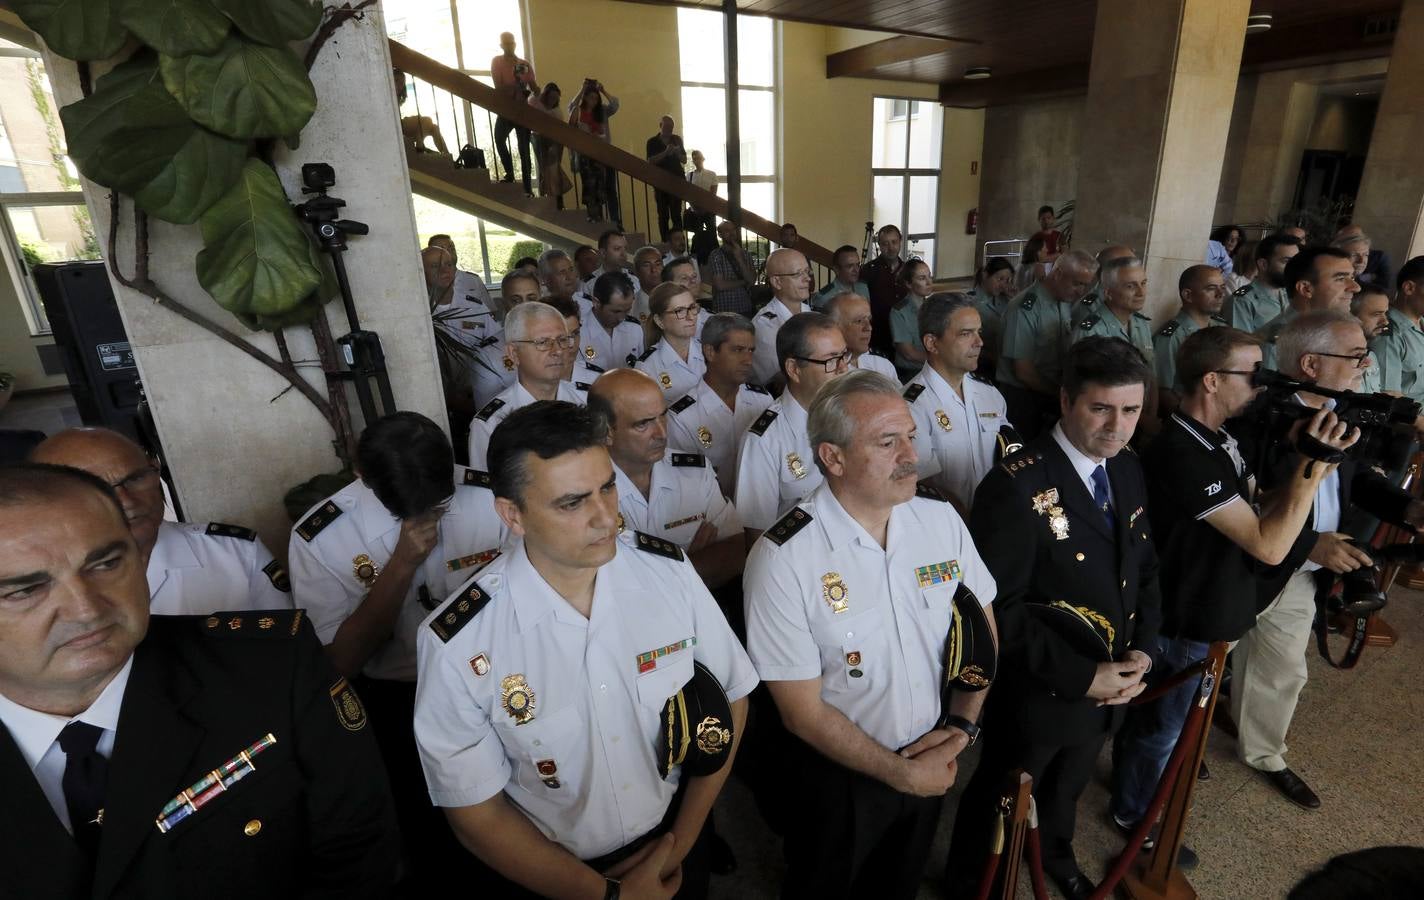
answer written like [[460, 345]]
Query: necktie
[[1100, 497], [86, 774]]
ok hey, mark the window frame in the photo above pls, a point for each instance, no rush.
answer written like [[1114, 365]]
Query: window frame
[[906, 172]]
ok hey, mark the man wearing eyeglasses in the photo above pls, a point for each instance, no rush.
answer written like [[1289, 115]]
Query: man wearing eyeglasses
[[193, 569], [1317, 279], [368, 564], [538, 344], [789, 275], [1202, 290], [1269, 667], [1202, 502], [852, 313], [776, 467]]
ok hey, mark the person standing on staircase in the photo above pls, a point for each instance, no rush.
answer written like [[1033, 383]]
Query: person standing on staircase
[[514, 78], [589, 112]]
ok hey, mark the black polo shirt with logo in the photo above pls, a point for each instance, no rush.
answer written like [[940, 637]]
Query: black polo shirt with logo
[[1208, 588]]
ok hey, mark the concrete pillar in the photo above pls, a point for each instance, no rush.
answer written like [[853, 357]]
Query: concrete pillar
[[1160, 90], [1391, 203], [234, 445]]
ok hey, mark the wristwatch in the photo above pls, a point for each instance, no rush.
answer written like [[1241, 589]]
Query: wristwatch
[[612, 888], [963, 725]]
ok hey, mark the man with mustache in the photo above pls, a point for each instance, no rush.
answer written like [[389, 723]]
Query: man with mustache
[[849, 600], [1062, 525]]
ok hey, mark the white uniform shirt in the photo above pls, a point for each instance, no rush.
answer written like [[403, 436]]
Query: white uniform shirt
[[587, 286], [497, 410], [198, 569], [893, 628], [584, 376], [674, 376], [488, 374], [767, 323], [353, 522], [955, 438], [595, 716], [610, 351], [36, 736], [468, 319], [684, 493], [470, 286], [872, 363], [776, 468], [699, 422]]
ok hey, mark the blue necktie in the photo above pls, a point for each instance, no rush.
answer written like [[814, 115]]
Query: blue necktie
[[1100, 497]]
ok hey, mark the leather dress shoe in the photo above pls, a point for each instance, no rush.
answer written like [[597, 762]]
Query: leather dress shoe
[[1203, 774], [1073, 885], [1186, 856], [1294, 788]]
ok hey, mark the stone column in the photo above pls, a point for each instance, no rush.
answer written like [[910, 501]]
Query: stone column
[[235, 436], [1391, 203], [1160, 91]]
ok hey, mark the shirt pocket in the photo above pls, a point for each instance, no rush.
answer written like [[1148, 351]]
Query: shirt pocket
[[551, 748], [855, 652], [655, 687]]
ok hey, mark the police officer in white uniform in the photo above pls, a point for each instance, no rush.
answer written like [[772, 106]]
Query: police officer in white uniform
[[662, 492], [789, 275], [959, 417], [537, 345], [368, 564], [684, 270], [775, 466], [851, 312], [544, 679], [611, 338], [674, 356], [492, 372], [849, 603], [713, 416], [469, 291], [193, 569]]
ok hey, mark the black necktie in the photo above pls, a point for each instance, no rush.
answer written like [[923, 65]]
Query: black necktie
[[86, 774]]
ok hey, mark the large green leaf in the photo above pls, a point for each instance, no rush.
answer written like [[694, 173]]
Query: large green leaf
[[244, 90], [256, 260], [274, 22], [175, 27], [132, 136], [75, 29]]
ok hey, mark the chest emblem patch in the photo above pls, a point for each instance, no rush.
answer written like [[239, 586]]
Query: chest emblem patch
[[833, 591], [517, 697], [795, 465]]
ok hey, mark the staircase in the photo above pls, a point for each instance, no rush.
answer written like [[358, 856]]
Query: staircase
[[463, 110]]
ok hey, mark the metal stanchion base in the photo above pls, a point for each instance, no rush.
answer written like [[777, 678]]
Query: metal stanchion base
[[1134, 886]]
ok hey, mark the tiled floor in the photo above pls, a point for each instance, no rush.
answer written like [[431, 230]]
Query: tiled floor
[[49, 412], [1356, 739]]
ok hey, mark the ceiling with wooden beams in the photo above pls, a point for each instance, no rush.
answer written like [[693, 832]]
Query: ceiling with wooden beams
[[1041, 46]]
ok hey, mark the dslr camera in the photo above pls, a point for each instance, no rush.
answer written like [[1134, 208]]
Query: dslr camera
[[1385, 422]]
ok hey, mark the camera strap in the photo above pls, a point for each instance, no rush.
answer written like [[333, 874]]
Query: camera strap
[[1355, 627], [1317, 450]]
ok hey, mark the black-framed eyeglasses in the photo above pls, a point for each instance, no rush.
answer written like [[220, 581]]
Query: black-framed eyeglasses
[[684, 312], [545, 344], [830, 363], [1361, 359], [136, 479]]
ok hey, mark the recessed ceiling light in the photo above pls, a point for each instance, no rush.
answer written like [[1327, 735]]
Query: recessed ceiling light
[[977, 73], [1258, 22]]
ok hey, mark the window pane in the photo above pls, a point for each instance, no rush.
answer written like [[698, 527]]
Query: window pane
[[760, 198], [887, 139], [32, 148], [700, 46], [758, 125], [424, 26], [924, 199], [50, 234], [888, 206], [926, 134], [704, 125], [481, 23], [923, 248], [755, 50], [504, 245]]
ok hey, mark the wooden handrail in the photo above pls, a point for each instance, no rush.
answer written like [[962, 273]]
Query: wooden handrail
[[526, 116]]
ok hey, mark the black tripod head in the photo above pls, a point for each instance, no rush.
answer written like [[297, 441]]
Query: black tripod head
[[320, 212]]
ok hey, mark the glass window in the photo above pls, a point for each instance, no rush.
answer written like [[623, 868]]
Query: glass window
[[700, 46], [485, 248], [906, 137]]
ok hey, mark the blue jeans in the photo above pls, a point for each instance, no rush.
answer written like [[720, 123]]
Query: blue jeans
[[1151, 731]]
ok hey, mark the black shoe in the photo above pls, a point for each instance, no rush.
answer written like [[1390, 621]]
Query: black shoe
[[1294, 788], [720, 859], [1203, 774], [1186, 856], [1073, 885]]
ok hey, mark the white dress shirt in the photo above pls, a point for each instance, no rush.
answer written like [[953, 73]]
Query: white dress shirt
[[767, 323], [776, 469], [683, 494], [699, 422], [610, 351], [199, 569], [516, 396], [955, 438], [872, 363], [672, 374]]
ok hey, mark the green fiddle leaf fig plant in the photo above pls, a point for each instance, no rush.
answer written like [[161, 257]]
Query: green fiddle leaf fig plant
[[76, 29], [274, 22], [244, 90], [132, 136], [175, 27]]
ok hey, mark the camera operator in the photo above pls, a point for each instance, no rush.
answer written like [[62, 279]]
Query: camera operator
[[1269, 665], [1202, 506]]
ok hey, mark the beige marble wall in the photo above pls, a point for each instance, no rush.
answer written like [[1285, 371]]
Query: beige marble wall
[[235, 441], [1152, 154], [1030, 157], [1391, 203]]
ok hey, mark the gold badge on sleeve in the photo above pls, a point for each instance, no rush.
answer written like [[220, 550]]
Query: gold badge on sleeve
[[517, 698], [833, 591], [365, 569]]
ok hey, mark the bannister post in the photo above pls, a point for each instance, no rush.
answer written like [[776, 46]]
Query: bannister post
[[734, 125]]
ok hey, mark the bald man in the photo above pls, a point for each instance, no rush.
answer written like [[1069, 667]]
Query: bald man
[[193, 569], [671, 495], [789, 275]]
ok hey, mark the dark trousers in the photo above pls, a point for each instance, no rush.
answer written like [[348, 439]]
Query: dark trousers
[[610, 195], [502, 128], [669, 213], [1060, 774], [854, 836], [432, 855]]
